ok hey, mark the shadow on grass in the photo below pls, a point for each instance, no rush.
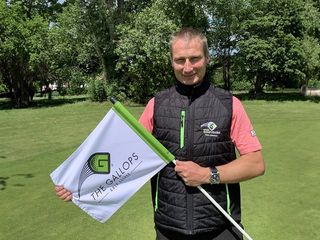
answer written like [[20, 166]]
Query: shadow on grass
[[277, 96], [6, 104], [3, 180]]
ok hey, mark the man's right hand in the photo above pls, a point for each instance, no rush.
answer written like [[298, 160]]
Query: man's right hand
[[63, 193]]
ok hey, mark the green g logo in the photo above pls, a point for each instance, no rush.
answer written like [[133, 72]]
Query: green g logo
[[100, 163], [212, 126], [97, 163]]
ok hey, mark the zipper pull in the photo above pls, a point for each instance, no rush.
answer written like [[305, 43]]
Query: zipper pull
[[182, 122]]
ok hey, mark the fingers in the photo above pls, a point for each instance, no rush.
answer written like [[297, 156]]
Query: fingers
[[188, 182], [179, 168], [191, 173], [67, 196], [58, 188], [181, 171], [63, 193], [184, 168]]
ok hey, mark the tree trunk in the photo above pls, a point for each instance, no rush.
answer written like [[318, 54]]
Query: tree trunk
[[121, 6], [110, 19], [226, 72], [258, 83], [101, 57], [21, 82]]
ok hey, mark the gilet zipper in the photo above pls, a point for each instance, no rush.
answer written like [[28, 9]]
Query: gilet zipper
[[189, 146]]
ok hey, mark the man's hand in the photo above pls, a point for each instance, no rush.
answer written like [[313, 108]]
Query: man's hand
[[192, 173], [63, 193]]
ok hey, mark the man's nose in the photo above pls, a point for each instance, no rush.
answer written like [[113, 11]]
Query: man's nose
[[187, 66]]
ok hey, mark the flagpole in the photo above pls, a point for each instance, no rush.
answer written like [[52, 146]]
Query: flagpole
[[114, 101], [224, 213]]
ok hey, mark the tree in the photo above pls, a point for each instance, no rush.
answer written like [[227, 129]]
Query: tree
[[73, 55], [310, 43], [143, 52], [99, 19], [22, 42], [143, 44], [270, 51], [311, 55], [224, 32]]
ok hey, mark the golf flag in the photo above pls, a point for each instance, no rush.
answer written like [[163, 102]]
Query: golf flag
[[114, 162]]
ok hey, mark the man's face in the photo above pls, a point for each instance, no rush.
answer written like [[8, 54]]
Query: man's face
[[188, 60]]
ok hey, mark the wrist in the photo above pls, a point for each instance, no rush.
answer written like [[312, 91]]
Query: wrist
[[207, 176]]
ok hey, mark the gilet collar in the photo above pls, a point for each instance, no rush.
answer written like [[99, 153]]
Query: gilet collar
[[193, 90]]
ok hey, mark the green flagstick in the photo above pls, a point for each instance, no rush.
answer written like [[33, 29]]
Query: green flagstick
[[164, 153], [147, 137]]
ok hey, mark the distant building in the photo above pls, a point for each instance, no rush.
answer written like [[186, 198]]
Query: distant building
[[307, 91]]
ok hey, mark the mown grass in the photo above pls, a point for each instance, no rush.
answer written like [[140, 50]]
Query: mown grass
[[283, 204]]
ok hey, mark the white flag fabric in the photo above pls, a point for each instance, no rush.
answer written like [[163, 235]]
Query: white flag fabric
[[114, 162]]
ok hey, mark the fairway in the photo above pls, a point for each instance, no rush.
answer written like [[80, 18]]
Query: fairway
[[281, 205]]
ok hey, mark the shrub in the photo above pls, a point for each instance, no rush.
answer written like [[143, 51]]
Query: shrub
[[314, 83], [114, 90], [97, 90], [3, 88], [242, 85], [100, 91]]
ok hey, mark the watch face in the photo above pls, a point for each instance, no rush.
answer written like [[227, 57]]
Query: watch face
[[215, 178]]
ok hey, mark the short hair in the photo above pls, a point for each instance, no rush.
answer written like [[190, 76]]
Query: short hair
[[189, 33]]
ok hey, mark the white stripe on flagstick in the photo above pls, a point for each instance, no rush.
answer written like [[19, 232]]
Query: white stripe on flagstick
[[225, 213]]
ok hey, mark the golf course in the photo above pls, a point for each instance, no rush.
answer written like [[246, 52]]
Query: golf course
[[281, 205]]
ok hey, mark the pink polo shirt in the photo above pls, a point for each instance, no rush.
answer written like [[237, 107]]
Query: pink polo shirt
[[242, 133]]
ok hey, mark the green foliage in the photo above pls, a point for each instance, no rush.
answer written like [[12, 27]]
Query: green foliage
[[75, 61], [97, 90], [311, 55], [271, 51], [100, 91], [242, 85], [225, 32], [114, 89], [77, 82], [272, 43], [3, 88], [185, 13], [314, 83], [143, 53], [22, 50], [311, 18]]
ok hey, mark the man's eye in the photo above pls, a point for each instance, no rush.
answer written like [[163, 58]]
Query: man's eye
[[195, 59], [179, 61]]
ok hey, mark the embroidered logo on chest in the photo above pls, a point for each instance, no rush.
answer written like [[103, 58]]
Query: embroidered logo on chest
[[208, 129]]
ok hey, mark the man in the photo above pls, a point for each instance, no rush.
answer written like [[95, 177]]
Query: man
[[200, 125]]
